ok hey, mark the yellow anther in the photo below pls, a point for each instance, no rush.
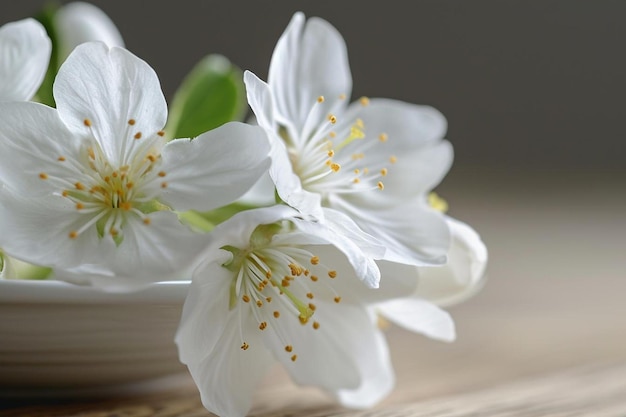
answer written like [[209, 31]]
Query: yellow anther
[[79, 186], [293, 358], [113, 232], [61, 159], [364, 101], [146, 221], [285, 283], [331, 153], [337, 299], [276, 314], [161, 133], [138, 135], [303, 319], [393, 159], [131, 122], [263, 325], [383, 172], [332, 274], [80, 206], [357, 171], [335, 167], [332, 119], [126, 206], [130, 185], [316, 325], [289, 348], [383, 137], [356, 180], [342, 96], [245, 298], [366, 171], [162, 174], [115, 174], [312, 306], [309, 295], [332, 134], [437, 202], [268, 299], [107, 179], [43, 176], [151, 157], [245, 346], [73, 234], [380, 185], [65, 193], [359, 123], [91, 153], [164, 184], [296, 270], [87, 122], [320, 99], [314, 278]]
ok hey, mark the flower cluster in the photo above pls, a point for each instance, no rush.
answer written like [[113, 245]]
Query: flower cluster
[[299, 232]]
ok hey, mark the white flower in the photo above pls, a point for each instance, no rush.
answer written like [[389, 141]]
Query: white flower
[[442, 286], [374, 160], [464, 273], [93, 182], [80, 22], [282, 288], [24, 55]]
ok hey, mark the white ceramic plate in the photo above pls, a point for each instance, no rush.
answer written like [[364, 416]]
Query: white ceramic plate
[[57, 337]]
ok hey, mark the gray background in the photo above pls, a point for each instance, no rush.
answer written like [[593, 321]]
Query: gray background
[[531, 86]]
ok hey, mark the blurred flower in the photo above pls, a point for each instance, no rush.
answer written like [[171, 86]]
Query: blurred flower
[[282, 288], [92, 183], [24, 55], [80, 22], [374, 160], [464, 273]]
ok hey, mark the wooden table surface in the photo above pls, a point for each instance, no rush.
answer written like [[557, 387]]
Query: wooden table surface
[[546, 336]]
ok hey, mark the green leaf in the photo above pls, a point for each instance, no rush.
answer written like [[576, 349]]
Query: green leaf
[[211, 95], [46, 18]]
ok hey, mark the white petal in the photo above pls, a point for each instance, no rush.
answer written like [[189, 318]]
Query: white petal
[[408, 126], [163, 250], [377, 374], [412, 232], [359, 248], [228, 375], [419, 316], [325, 357], [288, 185], [80, 22], [24, 55], [463, 275], [109, 88], [31, 141], [262, 193], [397, 280], [260, 100], [237, 230], [215, 168], [205, 311], [310, 60], [36, 230], [414, 137]]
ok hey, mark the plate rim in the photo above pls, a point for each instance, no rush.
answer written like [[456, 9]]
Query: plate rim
[[57, 292]]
